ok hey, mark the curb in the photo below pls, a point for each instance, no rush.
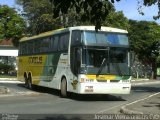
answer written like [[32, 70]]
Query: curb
[[9, 79], [124, 110], [144, 83], [140, 79]]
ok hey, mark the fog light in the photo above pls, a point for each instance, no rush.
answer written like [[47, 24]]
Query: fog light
[[126, 81]]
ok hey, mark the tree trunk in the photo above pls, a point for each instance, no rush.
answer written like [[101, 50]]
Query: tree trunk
[[154, 70]]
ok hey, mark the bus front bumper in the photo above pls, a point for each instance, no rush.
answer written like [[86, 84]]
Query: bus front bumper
[[101, 88]]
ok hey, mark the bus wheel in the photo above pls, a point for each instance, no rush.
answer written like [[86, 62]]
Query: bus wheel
[[26, 82], [64, 87], [30, 86]]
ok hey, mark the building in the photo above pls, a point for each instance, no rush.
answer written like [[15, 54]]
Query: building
[[8, 54]]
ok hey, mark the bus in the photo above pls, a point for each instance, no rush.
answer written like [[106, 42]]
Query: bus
[[77, 60]]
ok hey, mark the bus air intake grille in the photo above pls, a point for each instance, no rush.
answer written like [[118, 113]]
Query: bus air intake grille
[[114, 81], [101, 80]]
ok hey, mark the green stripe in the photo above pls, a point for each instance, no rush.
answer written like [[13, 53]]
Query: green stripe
[[50, 66]]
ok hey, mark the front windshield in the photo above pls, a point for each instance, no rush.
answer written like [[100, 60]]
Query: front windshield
[[116, 61], [104, 38]]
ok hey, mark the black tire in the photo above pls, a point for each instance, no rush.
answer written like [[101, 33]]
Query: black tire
[[26, 82], [30, 86], [64, 87]]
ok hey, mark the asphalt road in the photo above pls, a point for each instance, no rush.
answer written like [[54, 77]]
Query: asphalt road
[[44, 102]]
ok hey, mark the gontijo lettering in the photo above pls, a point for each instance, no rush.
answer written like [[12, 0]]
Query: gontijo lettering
[[37, 59]]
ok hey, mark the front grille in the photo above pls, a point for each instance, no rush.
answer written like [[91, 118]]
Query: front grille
[[114, 80]]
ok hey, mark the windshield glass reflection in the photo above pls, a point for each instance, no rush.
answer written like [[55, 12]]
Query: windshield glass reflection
[[116, 61], [103, 38]]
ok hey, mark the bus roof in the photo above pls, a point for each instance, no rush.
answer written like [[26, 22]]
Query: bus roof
[[90, 28]]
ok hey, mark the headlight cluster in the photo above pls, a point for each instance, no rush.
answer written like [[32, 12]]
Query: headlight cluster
[[126, 81], [82, 80]]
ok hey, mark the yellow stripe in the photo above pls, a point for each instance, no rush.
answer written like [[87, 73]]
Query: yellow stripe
[[102, 77], [35, 66]]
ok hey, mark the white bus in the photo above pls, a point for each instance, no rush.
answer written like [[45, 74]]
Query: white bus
[[77, 59]]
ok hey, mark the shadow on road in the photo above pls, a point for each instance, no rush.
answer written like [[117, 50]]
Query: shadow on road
[[58, 117], [78, 97], [96, 97], [41, 89], [145, 89]]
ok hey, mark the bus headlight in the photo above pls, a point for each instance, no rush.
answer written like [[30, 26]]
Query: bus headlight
[[126, 81], [82, 80]]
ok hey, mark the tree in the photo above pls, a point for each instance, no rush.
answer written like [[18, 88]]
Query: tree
[[117, 20], [12, 26], [95, 11], [39, 16], [145, 38]]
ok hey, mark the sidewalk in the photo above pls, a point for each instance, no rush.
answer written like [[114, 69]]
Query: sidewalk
[[144, 81], [8, 79], [3, 89], [148, 105]]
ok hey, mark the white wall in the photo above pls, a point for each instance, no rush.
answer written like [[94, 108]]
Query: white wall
[[8, 52]]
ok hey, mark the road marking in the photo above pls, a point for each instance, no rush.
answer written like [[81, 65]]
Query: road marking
[[123, 108], [142, 99], [110, 108], [128, 103]]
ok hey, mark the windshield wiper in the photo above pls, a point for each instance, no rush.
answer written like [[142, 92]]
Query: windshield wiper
[[101, 67]]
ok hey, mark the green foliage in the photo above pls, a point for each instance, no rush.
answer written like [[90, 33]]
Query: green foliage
[[39, 15], [145, 38], [117, 20], [94, 11], [12, 26]]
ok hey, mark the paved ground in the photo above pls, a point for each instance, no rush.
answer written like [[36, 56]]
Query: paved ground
[[10, 90], [148, 105]]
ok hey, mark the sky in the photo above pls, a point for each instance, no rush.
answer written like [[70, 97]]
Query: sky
[[129, 8]]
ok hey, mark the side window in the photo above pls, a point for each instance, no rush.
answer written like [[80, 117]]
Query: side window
[[45, 44], [76, 37], [54, 43], [63, 42], [37, 46], [24, 48], [30, 47]]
